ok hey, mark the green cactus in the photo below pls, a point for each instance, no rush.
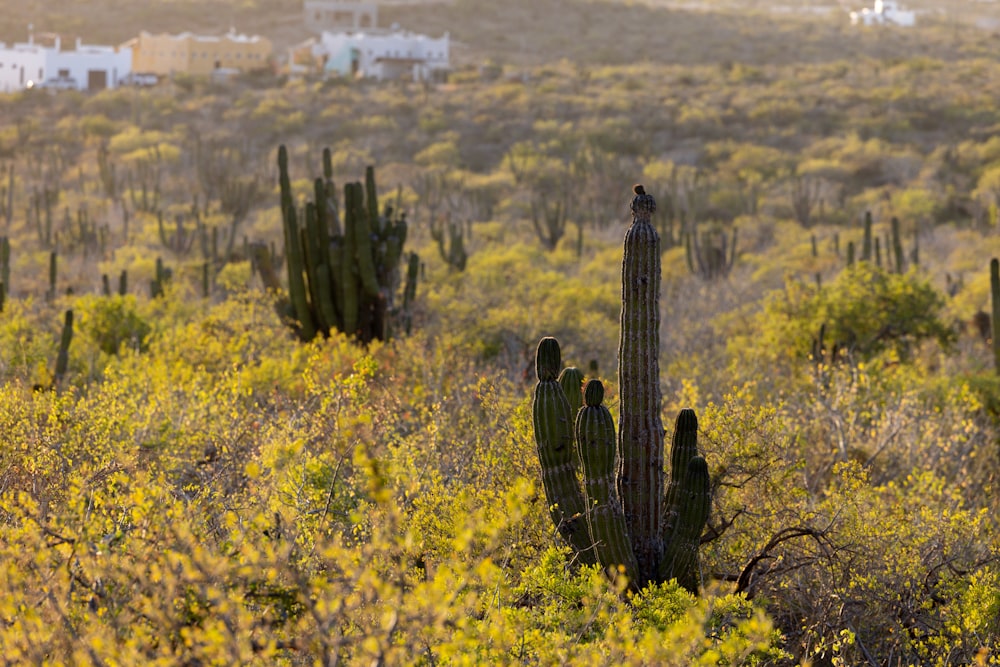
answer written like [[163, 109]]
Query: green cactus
[[713, 256], [410, 291], [897, 247], [633, 526], [866, 247], [595, 437], [571, 380], [62, 358], [553, 426], [53, 276], [342, 276], [450, 241], [5, 261], [995, 311]]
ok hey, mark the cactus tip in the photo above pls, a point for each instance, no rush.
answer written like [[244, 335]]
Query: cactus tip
[[548, 359], [643, 205], [593, 393]]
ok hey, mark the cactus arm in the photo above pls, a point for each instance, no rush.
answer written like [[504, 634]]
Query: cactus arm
[[410, 291], [688, 502], [640, 437], [553, 429], [680, 555], [362, 243], [595, 436], [62, 358], [995, 309], [348, 267], [293, 252]]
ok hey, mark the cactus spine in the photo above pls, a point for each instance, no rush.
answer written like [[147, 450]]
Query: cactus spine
[[634, 528]]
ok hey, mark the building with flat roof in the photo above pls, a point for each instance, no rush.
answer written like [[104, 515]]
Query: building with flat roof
[[187, 53], [384, 54], [333, 15], [85, 67]]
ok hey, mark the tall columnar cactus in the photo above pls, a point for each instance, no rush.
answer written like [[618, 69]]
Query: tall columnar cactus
[[5, 262], [640, 433], [342, 277], [897, 247], [866, 246], [65, 338], [634, 526], [50, 295], [995, 311]]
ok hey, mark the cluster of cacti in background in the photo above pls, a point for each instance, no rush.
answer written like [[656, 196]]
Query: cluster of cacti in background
[[710, 254], [343, 262], [873, 248], [621, 517], [450, 239]]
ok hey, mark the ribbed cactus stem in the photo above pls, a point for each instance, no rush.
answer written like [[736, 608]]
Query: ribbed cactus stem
[[595, 437], [688, 502], [640, 437], [53, 271], [866, 247], [680, 554], [897, 246], [571, 380], [995, 303], [553, 428], [293, 252], [62, 358]]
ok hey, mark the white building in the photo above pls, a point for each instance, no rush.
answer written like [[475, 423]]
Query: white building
[[384, 54], [333, 15], [87, 67], [885, 12]]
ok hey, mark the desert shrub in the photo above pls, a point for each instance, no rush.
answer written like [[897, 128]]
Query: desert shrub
[[113, 321], [866, 313]]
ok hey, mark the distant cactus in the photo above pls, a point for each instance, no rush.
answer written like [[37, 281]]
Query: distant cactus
[[635, 528], [450, 241], [62, 358], [710, 254], [995, 311], [343, 278]]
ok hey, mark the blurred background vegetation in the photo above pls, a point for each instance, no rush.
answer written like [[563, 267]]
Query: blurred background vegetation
[[197, 485]]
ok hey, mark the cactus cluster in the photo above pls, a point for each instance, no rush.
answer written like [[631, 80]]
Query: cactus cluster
[[343, 261], [710, 254], [622, 517], [872, 247]]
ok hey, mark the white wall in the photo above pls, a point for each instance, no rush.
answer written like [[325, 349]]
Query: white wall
[[114, 63], [427, 53], [20, 63], [29, 62]]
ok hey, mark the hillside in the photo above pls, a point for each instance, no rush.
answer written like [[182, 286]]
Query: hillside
[[262, 405]]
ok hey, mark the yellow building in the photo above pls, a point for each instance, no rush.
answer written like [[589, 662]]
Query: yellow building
[[187, 53]]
